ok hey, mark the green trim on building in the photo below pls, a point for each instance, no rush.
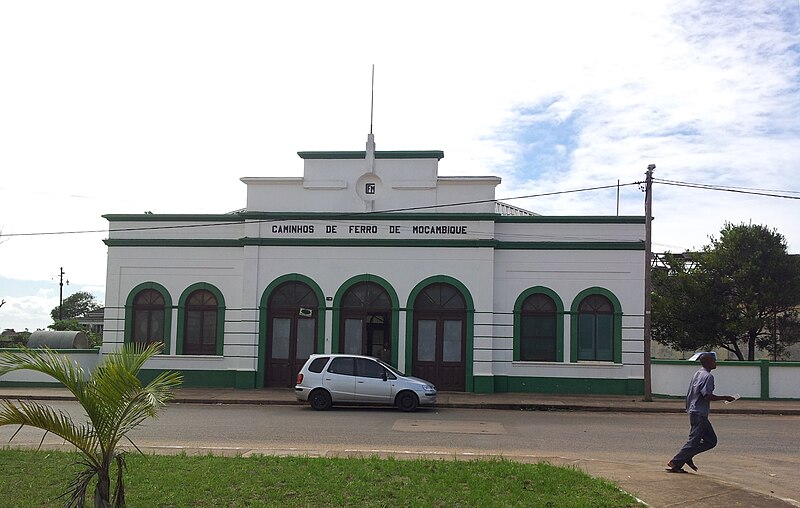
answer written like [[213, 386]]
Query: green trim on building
[[559, 320], [396, 154], [570, 245], [470, 324], [337, 312], [30, 384], [167, 313], [370, 216], [617, 322], [368, 242], [91, 350], [571, 219], [220, 316], [173, 242], [204, 378], [243, 216], [727, 363], [262, 319], [764, 372], [503, 384], [183, 217]]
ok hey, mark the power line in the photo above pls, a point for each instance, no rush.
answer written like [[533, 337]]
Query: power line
[[354, 215], [334, 216], [739, 190]]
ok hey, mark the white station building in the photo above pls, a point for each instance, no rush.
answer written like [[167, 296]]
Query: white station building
[[373, 252]]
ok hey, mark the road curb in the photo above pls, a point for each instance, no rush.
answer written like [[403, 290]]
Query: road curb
[[507, 406]]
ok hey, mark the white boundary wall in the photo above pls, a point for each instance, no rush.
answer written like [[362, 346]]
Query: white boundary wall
[[669, 377]]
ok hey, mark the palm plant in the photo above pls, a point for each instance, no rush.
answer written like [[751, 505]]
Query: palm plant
[[114, 401]]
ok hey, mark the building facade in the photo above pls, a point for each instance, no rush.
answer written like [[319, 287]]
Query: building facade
[[375, 253]]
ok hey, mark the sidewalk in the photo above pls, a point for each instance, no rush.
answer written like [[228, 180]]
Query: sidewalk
[[652, 484], [516, 401]]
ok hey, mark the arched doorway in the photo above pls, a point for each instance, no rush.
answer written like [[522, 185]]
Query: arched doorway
[[440, 323], [365, 326], [292, 315]]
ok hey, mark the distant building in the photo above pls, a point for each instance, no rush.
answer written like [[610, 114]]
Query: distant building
[[375, 253], [93, 320]]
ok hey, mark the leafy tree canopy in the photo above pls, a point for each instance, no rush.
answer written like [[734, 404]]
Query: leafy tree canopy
[[739, 293], [75, 305]]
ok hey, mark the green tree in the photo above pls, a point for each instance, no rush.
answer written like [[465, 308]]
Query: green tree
[[114, 400], [75, 305], [730, 295]]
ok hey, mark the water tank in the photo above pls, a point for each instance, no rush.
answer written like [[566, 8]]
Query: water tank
[[58, 340]]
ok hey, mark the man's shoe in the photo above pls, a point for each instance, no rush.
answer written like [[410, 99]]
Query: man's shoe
[[674, 468]]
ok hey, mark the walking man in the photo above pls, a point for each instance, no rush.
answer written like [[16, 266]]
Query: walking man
[[701, 392]]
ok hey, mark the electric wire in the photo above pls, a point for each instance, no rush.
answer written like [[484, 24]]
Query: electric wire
[[355, 215], [739, 190], [328, 217]]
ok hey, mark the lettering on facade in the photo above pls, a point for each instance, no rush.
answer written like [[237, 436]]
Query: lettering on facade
[[439, 230], [370, 229], [360, 229], [293, 228]]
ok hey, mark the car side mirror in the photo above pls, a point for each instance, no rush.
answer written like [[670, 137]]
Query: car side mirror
[[384, 376]]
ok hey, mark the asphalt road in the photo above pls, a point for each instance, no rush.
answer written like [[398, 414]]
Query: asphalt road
[[759, 452]]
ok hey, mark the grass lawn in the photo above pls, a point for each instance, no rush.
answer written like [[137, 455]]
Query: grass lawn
[[36, 479]]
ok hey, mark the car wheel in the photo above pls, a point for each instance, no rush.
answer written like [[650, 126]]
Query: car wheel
[[407, 401], [320, 400]]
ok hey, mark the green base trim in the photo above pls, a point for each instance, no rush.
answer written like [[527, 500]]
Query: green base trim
[[30, 384], [94, 350], [205, 378], [727, 363], [503, 384]]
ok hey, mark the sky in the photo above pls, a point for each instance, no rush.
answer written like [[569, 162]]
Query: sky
[[162, 106]]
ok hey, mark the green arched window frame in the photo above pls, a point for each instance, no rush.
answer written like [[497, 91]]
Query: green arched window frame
[[559, 320], [167, 312], [262, 318], [337, 307], [470, 324], [220, 335], [573, 350]]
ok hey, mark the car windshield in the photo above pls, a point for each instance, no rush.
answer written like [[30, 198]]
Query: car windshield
[[391, 369]]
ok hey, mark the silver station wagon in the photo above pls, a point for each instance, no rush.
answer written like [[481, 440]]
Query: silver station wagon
[[326, 380]]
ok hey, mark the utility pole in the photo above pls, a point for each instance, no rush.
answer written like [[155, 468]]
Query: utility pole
[[61, 293], [648, 281]]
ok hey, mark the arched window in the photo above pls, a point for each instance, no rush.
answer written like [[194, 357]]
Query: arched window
[[538, 329], [200, 323], [596, 329], [148, 317]]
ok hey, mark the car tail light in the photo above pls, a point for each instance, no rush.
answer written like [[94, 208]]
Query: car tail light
[[300, 378]]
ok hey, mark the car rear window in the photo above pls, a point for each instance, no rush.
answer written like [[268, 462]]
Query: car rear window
[[318, 364]]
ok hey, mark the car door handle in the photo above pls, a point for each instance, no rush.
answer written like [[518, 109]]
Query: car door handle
[[360, 382]]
